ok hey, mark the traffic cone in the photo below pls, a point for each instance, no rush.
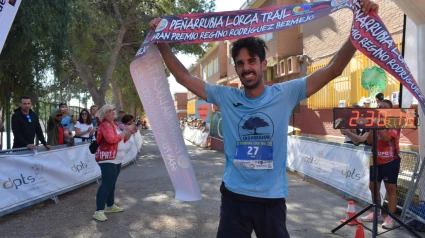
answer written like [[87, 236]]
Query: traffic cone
[[351, 211], [359, 231]]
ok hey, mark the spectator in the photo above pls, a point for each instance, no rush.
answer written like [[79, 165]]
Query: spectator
[[126, 121], [55, 131], [93, 111], [356, 136], [68, 120], [109, 155], [350, 133], [144, 126], [120, 115], [1, 130], [379, 97], [388, 168], [25, 126], [84, 128], [366, 103]]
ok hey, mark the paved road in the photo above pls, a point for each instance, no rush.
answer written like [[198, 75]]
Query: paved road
[[145, 191]]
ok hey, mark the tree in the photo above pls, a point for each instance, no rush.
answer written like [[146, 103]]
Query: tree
[[35, 44], [105, 33], [253, 123]]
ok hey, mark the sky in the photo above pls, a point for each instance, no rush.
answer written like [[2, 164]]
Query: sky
[[187, 60]]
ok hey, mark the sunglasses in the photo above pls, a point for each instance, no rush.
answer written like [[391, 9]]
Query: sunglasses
[[84, 113], [59, 115], [29, 118]]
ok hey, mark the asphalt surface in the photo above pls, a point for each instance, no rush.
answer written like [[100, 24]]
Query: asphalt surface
[[145, 191]]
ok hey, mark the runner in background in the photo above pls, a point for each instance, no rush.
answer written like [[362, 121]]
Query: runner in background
[[388, 168]]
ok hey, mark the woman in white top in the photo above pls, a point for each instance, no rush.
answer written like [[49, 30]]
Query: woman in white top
[[84, 128]]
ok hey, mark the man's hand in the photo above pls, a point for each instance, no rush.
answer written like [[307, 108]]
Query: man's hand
[[31, 146], [368, 6], [48, 147], [154, 23]]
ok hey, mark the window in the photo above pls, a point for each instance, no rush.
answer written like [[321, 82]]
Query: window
[[289, 63], [204, 73], [269, 74], [215, 65], [210, 69]]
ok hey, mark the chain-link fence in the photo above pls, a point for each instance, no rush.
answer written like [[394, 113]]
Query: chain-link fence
[[43, 110], [415, 206], [409, 165]]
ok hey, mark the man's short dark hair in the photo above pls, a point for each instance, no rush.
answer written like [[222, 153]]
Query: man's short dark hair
[[23, 97], [255, 46], [380, 96], [93, 106], [61, 104], [388, 101]]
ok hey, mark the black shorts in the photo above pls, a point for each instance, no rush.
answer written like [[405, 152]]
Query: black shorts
[[240, 215], [387, 172]]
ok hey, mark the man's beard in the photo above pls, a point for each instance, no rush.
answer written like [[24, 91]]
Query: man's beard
[[256, 83]]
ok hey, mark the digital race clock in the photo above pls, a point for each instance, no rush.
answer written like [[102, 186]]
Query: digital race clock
[[375, 118]]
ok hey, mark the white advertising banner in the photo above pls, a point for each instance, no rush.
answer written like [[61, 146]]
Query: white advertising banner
[[131, 150], [29, 178], [196, 136], [8, 9], [342, 167]]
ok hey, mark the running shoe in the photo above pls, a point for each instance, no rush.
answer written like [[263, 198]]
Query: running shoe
[[114, 209], [389, 223], [369, 218], [100, 216]]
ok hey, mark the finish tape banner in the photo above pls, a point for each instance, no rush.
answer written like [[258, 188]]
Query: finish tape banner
[[368, 34], [8, 9]]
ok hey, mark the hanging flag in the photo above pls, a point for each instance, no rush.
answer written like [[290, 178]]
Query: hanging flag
[[8, 9]]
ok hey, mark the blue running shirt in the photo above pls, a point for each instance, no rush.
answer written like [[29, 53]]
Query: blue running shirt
[[255, 136]]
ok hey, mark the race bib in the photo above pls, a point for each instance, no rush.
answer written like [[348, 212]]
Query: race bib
[[254, 155]]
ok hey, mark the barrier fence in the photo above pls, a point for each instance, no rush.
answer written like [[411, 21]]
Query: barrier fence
[[345, 168], [29, 178], [415, 208], [196, 136]]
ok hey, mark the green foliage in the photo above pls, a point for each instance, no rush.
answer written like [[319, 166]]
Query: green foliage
[[34, 45], [46, 38], [95, 38], [374, 80]]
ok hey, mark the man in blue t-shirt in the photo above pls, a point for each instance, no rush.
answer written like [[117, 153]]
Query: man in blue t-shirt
[[256, 122]]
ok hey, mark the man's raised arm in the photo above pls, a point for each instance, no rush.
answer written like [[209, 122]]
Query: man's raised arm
[[320, 78], [182, 75]]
